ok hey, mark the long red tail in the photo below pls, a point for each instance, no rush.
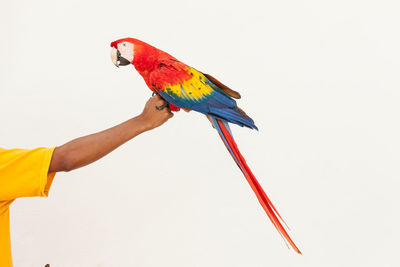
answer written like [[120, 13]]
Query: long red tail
[[226, 136]]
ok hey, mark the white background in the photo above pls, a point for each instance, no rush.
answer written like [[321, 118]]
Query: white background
[[320, 79]]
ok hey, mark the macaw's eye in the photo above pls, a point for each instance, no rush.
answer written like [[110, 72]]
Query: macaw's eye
[[124, 44]]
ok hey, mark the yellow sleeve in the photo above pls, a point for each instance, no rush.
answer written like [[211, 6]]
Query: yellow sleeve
[[24, 173]]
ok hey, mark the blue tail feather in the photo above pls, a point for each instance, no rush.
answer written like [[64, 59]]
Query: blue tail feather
[[233, 115], [218, 128]]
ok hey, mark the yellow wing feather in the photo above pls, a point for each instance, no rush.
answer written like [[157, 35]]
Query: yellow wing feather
[[194, 89]]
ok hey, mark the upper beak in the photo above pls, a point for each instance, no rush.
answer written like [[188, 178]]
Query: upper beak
[[117, 59], [114, 56]]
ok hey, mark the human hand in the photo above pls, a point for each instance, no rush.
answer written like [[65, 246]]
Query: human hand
[[151, 116]]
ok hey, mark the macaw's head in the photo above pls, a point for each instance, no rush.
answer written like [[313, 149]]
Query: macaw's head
[[140, 54], [123, 51]]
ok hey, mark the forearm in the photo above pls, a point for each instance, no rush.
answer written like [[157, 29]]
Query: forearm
[[85, 150]]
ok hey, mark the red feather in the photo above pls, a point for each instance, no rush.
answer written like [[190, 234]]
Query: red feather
[[258, 190]]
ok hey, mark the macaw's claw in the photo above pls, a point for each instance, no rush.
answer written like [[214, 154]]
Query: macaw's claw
[[166, 104], [162, 106]]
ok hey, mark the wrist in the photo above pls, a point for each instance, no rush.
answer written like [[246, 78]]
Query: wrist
[[142, 123]]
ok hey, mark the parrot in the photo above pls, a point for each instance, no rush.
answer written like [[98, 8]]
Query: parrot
[[184, 87]]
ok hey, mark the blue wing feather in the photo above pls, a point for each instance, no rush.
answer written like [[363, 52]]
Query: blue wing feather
[[209, 100]]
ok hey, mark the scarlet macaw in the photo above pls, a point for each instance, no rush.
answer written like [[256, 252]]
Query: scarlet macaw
[[185, 87]]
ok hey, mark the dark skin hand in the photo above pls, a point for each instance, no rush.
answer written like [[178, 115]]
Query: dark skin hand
[[85, 150]]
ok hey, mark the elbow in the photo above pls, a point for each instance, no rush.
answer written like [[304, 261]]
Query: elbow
[[66, 162], [66, 167]]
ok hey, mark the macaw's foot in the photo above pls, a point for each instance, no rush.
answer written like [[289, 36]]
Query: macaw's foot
[[162, 106], [170, 106]]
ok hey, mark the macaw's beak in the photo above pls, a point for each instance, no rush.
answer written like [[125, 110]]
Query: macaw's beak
[[117, 59]]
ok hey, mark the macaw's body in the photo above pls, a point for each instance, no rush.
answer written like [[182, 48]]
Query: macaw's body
[[185, 87]]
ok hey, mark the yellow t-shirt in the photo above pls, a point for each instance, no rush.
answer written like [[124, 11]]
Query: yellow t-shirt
[[23, 173]]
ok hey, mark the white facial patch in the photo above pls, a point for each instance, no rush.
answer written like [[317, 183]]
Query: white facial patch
[[127, 50]]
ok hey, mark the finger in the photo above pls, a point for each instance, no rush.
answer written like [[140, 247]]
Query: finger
[[161, 102], [164, 111], [158, 98], [170, 113]]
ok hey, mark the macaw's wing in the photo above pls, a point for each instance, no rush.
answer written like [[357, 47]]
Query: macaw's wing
[[188, 88], [222, 86]]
